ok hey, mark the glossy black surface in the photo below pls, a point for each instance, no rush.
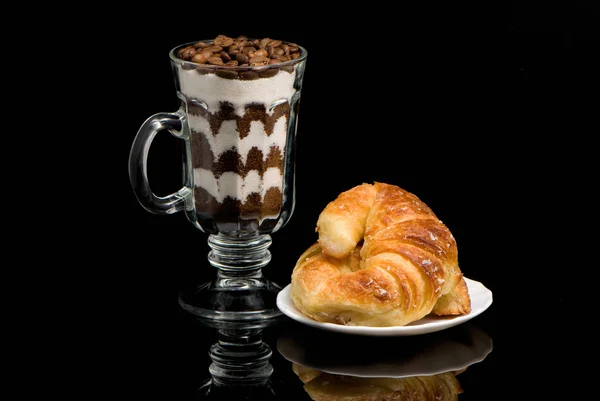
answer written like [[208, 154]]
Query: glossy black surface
[[178, 362], [491, 125]]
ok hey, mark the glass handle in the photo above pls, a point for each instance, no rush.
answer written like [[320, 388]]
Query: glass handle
[[138, 171]]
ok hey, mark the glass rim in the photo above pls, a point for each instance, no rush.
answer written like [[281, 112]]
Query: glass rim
[[175, 59]]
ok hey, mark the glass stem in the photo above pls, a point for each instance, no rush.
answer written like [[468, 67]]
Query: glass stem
[[239, 258], [240, 291]]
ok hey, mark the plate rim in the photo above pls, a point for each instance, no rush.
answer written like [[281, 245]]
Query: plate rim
[[441, 324]]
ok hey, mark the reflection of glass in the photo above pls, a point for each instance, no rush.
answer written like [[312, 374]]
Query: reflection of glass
[[238, 124], [240, 366], [412, 368]]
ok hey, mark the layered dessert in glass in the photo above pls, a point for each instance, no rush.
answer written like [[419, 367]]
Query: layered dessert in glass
[[241, 98]]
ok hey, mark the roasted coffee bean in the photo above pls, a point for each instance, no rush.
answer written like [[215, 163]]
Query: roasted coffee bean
[[282, 58], [264, 42], [223, 41], [271, 72], [204, 70], [214, 49], [260, 53], [215, 60], [206, 53], [199, 58], [224, 56], [242, 58], [258, 60], [275, 43], [234, 49], [186, 53], [227, 53], [227, 74], [248, 75]]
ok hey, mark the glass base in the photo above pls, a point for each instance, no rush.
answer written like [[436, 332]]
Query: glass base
[[233, 298]]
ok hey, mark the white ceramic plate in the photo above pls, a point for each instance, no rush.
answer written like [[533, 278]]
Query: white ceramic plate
[[481, 299]]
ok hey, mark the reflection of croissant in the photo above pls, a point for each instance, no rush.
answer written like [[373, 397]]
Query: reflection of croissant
[[329, 387], [382, 259]]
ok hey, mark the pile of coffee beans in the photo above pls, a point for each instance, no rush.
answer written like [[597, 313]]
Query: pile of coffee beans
[[241, 51]]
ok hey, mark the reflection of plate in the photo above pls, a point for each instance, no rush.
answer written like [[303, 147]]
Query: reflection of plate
[[481, 299], [359, 356]]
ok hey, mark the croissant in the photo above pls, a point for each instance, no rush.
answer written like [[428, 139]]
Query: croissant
[[321, 386], [382, 258]]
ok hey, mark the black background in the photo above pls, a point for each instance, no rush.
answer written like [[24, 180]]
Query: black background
[[487, 115]]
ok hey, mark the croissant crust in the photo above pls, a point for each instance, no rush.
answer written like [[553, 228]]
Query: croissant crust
[[382, 258]]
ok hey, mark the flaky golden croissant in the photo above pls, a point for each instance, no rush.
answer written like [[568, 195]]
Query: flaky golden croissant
[[382, 258], [322, 386]]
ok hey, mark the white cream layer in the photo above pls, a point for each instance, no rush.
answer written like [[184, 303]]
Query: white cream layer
[[232, 185], [212, 89]]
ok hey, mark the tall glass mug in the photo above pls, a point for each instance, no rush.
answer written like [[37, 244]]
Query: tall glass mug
[[238, 116]]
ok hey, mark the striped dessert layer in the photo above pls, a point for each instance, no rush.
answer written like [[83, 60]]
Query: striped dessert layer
[[238, 161], [238, 134], [232, 185], [227, 113], [255, 141], [231, 160], [255, 206]]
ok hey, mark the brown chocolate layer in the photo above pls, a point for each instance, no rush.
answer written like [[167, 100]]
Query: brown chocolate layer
[[231, 210], [231, 160]]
